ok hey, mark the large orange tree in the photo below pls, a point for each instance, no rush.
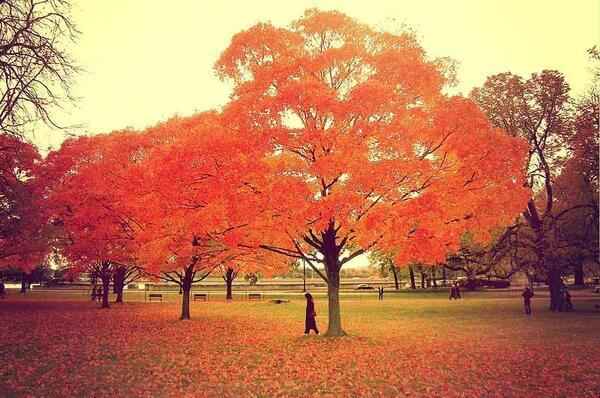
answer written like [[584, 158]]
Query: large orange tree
[[192, 199], [87, 198], [364, 149]]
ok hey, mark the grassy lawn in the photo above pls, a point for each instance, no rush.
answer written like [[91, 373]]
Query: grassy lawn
[[407, 345]]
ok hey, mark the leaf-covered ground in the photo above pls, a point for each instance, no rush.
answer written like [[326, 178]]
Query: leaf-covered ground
[[403, 346]]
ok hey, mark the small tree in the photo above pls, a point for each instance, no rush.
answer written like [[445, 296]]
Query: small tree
[[190, 199], [87, 201]]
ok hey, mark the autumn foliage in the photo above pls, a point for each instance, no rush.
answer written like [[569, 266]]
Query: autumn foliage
[[338, 139], [364, 149], [253, 349]]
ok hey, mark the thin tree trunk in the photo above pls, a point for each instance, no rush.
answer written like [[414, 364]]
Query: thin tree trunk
[[24, 282], [395, 272], [422, 280], [411, 272], [444, 276], [433, 275]]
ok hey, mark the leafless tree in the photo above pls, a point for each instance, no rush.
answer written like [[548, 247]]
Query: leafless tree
[[36, 69]]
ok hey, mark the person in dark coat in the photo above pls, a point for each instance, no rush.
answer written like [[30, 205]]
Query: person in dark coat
[[452, 292], [311, 322], [380, 291], [527, 295], [567, 301]]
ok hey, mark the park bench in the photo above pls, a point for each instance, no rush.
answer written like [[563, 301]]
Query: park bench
[[155, 296], [201, 296], [255, 296]]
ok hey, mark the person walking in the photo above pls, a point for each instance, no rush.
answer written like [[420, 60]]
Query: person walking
[[527, 295], [380, 291], [456, 289], [452, 292], [310, 322], [567, 300]]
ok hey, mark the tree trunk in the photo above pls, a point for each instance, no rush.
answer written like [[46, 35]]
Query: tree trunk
[[186, 288], [578, 272], [119, 298], [395, 272], [185, 304], [229, 277], [105, 286], [24, 283], [422, 280], [433, 275], [119, 283], [229, 295], [411, 272], [333, 292], [554, 284]]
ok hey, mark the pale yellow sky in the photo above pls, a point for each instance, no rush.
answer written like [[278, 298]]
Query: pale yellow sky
[[148, 60]]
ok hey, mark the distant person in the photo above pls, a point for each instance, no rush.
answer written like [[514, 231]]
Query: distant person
[[311, 322], [567, 300], [2, 290], [380, 291], [452, 292], [93, 294], [527, 295], [457, 291]]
